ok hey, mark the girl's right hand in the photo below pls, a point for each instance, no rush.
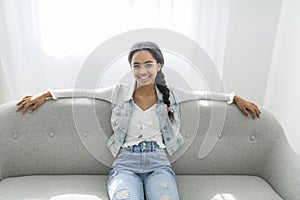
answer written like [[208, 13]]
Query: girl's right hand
[[35, 101]]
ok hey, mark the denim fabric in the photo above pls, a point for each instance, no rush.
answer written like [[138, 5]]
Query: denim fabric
[[122, 107], [142, 171]]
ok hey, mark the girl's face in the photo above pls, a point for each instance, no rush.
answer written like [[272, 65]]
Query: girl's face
[[144, 67]]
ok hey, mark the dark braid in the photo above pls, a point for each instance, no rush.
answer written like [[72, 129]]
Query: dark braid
[[160, 78], [161, 85]]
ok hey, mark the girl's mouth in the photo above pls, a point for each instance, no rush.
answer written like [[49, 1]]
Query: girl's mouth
[[144, 78]]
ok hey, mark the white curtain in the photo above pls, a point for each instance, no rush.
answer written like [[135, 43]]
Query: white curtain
[[5, 93], [44, 42]]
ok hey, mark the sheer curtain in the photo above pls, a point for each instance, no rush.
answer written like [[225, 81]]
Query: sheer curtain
[[43, 43]]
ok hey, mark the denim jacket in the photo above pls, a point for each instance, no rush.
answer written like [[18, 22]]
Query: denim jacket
[[122, 106]]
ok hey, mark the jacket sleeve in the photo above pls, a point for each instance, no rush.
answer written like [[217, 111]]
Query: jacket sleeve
[[99, 93], [187, 95]]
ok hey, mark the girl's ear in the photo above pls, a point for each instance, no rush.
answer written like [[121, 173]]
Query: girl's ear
[[159, 67]]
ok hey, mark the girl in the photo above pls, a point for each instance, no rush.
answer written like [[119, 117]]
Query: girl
[[145, 120]]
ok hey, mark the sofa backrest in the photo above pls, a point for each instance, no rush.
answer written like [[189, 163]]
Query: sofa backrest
[[69, 136]]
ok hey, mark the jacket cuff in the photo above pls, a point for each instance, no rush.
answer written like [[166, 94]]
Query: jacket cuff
[[51, 92], [231, 97]]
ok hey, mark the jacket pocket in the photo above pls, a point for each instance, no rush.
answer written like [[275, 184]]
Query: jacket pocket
[[119, 117]]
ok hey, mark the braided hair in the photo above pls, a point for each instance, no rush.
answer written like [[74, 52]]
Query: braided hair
[[160, 77]]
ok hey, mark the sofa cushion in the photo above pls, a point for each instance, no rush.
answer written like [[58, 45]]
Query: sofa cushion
[[229, 187], [54, 187], [93, 187]]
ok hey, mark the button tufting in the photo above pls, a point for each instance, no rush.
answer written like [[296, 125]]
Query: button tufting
[[85, 134], [15, 136], [252, 138], [51, 134]]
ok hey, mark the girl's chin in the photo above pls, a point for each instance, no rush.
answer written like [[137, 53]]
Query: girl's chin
[[144, 82]]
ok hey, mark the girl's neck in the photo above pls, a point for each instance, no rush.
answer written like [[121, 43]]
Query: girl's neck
[[145, 96], [145, 90]]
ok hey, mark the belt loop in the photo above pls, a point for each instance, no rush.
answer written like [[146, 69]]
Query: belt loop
[[131, 149], [153, 146]]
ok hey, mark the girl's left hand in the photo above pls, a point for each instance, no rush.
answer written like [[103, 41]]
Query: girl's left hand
[[247, 106]]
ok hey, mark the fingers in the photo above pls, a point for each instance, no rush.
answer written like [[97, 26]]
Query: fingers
[[23, 99], [258, 112], [35, 106], [245, 111], [26, 106], [21, 105], [254, 113], [252, 109], [255, 110]]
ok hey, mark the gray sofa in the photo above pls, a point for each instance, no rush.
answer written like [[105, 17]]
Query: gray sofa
[[59, 152]]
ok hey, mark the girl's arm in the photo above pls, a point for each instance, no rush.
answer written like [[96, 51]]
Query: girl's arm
[[99, 93], [244, 105], [186, 95], [37, 100]]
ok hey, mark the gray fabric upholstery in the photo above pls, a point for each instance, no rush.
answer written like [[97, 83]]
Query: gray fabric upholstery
[[61, 149], [93, 187]]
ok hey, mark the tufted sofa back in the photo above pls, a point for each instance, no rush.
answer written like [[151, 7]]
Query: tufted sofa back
[[69, 136]]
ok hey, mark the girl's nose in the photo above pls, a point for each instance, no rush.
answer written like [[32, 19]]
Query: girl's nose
[[142, 70]]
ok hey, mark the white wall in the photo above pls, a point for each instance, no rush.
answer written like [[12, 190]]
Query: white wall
[[251, 31], [5, 95], [283, 91], [261, 60]]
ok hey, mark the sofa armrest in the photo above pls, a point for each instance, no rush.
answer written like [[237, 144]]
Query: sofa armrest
[[282, 169]]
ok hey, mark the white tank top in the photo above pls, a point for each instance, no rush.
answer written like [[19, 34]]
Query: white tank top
[[143, 126]]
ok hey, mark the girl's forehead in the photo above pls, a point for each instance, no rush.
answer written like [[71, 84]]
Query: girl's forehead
[[142, 55]]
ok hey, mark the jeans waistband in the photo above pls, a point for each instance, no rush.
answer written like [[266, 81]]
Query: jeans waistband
[[144, 146]]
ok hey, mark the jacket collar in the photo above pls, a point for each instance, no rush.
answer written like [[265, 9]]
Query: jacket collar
[[131, 88]]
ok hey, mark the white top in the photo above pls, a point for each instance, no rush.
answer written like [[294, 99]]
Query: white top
[[144, 126]]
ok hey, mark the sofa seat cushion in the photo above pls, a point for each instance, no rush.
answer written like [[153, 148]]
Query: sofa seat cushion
[[93, 187], [54, 187], [229, 187]]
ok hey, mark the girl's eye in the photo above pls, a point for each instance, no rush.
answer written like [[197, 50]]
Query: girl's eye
[[136, 66], [148, 65]]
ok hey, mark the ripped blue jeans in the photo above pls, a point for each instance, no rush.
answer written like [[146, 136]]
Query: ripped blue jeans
[[142, 172]]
